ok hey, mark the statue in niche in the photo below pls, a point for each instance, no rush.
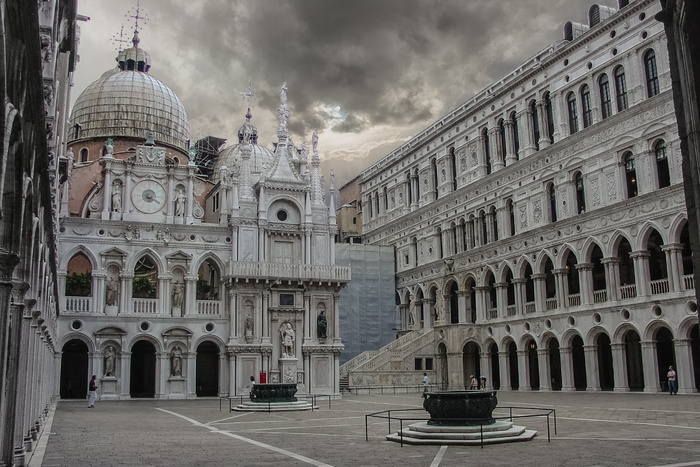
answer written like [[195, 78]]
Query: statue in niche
[[287, 335], [176, 361], [180, 203], [178, 293], [112, 293], [321, 325], [110, 357], [411, 317], [248, 325], [116, 198]]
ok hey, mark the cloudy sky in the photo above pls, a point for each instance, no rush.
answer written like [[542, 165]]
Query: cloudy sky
[[368, 74]]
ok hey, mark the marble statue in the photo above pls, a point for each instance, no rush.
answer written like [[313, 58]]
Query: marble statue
[[176, 361], [109, 358], [287, 335], [178, 292], [180, 203], [321, 325], [112, 295], [116, 198]]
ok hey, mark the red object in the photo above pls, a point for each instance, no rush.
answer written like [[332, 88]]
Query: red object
[[263, 377]]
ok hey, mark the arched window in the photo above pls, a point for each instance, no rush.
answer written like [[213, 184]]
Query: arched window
[[550, 117], [511, 216], [453, 166], [502, 141], [535, 125], [586, 106], [487, 151], [516, 135], [580, 194], [84, 155], [415, 174], [386, 200], [662, 172], [652, 73], [494, 223], [434, 170], [605, 101], [573, 112], [440, 252], [145, 281], [376, 202], [620, 89], [630, 175], [484, 231], [552, 194]]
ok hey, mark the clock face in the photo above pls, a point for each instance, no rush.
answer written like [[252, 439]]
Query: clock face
[[148, 196]]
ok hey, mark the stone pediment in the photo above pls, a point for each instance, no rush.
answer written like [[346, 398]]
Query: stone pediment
[[179, 257], [177, 334], [113, 253]]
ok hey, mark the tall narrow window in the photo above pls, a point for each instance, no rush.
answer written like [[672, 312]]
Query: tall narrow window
[[386, 200], [580, 194], [573, 112], [662, 171], [550, 117], [605, 101], [651, 73], [620, 89], [453, 166], [511, 214], [502, 141], [516, 135], [630, 175], [535, 125], [551, 191], [84, 155], [434, 170], [487, 151], [586, 106]]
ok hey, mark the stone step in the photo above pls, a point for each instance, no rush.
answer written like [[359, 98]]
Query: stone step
[[274, 406], [500, 432]]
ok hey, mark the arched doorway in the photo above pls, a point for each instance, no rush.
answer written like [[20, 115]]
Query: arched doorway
[[533, 365], [578, 361], [554, 364], [513, 365], [207, 369], [495, 368], [605, 362], [143, 370], [442, 358], [74, 370], [665, 356], [471, 362], [454, 304], [633, 358]]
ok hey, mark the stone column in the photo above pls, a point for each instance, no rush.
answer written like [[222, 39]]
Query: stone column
[[190, 300], [562, 287], [336, 317], [414, 192], [486, 370], [540, 295], [189, 203], [459, 235], [125, 293], [592, 376], [504, 370], [519, 288], [620, 367], [169, 207], [527, 145], [523, 371], [107, 188], [501, 298], [497, 158], [126, 212], [684, 367], [265, 316], [544, 127], [585, 277], [231, 372], [567, 369], [545, 369], [641, 272], [674, 264], [98, 292], [456, 377], [650, 364], [463, 297], [125, 374], [612, 277], [510, 142]]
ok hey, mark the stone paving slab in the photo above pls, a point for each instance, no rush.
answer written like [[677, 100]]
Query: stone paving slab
[[593, 429]]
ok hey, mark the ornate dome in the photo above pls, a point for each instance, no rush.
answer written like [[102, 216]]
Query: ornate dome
[[260, 157], [128, 102], [231, 156]]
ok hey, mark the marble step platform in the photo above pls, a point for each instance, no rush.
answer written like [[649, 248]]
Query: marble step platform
[[274, 406], [499, 432]]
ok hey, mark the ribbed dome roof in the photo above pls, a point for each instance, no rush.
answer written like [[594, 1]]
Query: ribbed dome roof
[[231, 156], [130, 103]]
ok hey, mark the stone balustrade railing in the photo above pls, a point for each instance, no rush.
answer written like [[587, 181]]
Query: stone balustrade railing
[[255, 269]]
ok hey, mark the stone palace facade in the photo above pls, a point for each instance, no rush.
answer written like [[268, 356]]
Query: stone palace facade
[[540, 228], [178, 280]]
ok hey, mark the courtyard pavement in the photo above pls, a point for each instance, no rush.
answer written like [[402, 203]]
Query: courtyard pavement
[[593, 429]]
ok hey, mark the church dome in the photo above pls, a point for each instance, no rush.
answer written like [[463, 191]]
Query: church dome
[[261, 158], [128, 102]]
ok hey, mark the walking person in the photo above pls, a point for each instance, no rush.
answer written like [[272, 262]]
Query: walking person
[[473, 384], [92, 394], [672, 382], [426, 384]]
